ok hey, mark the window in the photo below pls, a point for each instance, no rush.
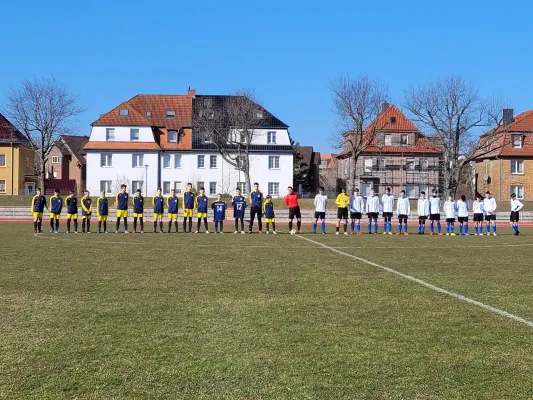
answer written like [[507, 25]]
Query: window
[[166, 187], [177, 161], [366, 187], [148, 114], [411, 190], [209, 114], [273, 188], [2, 186], [323, 163], [404, 140], [368, 165], [517, 142], [208, 102], [55, 160], [240, 162], [201, 162], [517, 166], [242, 138], [212, 161], [137, 160], [200, 185], [134, 134], [259, 114], [105, 186], [177, 187], [136, 185], [410, 164], [110, 134], [123, 112], [388, 140], [212, 188], [518, 190], [271, 138], [393, 120], [172, 136], [55, 174], [106, 160], [166, 161], [273, 162], [171, 114], [242, 187]]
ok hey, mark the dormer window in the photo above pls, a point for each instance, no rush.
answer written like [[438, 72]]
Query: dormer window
[[148, 114], [171, 114], [172, 136], [388, 140], [208, 103], [393, 120], [259, 114], [123, 112], [209, 114], [404, 140], [517, 141]]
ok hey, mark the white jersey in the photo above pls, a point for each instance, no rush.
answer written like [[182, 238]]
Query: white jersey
[[477, 207], [403, 207], [489, 205], [434, 205], [423, 207], [387, 201], [449, 209], [357, 204], [372, 204], [516, 205], [462, 208], [321, 201]]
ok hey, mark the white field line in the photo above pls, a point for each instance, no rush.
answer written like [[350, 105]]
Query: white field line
[[495, 310]]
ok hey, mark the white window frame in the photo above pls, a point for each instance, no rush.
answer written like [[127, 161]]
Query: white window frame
[[170, 113], [212, 192], [521, 138], [109, 134], [177, 164], [166, 184], [4, 185], [173, 139], [123, 112], [107, 186], [55, 160], [213, 165], [140, 158], [198, 158], [406, 135], [148, 114], [200, 184], [108, 160], [271, 137], [389, 141], [273, 188], [272, 162], [178, 187], [515, 164], [166, 161], [137, 185], [513, 189], [132, 139], [242, 186], [411, 194]]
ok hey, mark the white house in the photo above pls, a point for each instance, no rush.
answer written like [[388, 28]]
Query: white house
[[148, 142]]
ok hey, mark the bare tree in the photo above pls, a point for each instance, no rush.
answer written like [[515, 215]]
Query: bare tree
[[357, 102], [230, 124], [42, 110], [453, 110]]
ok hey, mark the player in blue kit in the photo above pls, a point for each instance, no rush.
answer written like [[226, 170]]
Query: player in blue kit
[[86, 212], [38, 203], [239, 206], [189, 200], [56, 204], [256, 208], [121, 201], [270, 216], [201, 210], [219, 213], [172, 204], [71, 202], [102, 211], [138, 210], [159, 209]]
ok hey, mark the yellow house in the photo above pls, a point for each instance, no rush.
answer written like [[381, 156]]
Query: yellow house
[[16, 161]]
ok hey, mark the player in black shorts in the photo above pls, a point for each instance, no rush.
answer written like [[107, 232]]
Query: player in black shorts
[[516, 206]]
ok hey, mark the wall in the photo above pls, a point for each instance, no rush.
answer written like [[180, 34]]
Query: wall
[[261, 136], [5, 172], [501, 179], [122, 134], [57, 168], [17, 169]]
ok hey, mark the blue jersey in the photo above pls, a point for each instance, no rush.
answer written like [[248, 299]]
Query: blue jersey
[[103, 207], [256, 198], [86, 203], [56, 204], [72, 204], [138, 204], [201, 204], [239, 205], [188, 200], [219, 210], [159, 204], [38, 202], [269, 210], [172, 203], [121, 201]]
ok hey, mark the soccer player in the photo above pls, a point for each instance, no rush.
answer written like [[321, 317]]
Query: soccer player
[[450, 210], [256, 208], [423, 213], [239, 205], [372, 211], [172, 204], [321, 201], [86, 211], [102, 211], [387, 204], [56, 204], [462, 215], [219, 213], [403, 209], [138, 210], [270, 216], [291, 201], [357, 205], [477, 207], [434, 213], [189, 200], [489, 205], [38, 203], [200, 204], [158, 202], [121, 201], [71, 202], [516, 206], [342, 202]]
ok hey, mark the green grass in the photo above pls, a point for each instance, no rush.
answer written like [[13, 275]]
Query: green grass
[[262, 317]]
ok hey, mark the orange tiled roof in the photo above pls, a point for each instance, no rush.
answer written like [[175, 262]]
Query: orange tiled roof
[[383, 122], [121, 146], [134, 117]]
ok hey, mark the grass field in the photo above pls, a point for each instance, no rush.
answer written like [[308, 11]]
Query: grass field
[[263, 317]]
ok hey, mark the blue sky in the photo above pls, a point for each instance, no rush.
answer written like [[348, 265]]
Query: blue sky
[[287, 51]]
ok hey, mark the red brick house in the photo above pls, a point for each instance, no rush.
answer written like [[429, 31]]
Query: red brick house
[[66, 165]]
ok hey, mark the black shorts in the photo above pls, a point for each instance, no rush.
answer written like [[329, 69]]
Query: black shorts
[[434, 217], [422, 218], [294, 212], [515, 216], [478, 217], [402, 217], [355, 215], [387, 216], [462, 220], [373, 215], [342, 213], [450, 220], [320, 215], [490, 217]]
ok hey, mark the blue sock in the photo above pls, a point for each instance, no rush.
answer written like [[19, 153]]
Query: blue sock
[[460, 229], [400, 228], [475, 229], [431, 226], [447, 227], [369, 227], [494, 228], [323, 226], [438, 226], [488, 228], [314, 226], [384, 226], [466, 229], [390, 226], [358, 227], [423, 228], [352, 227], [376, 226], [453, 227], [405, 227], [419, 228]]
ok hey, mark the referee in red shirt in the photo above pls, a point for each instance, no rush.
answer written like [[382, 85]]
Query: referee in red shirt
[[291, 201]]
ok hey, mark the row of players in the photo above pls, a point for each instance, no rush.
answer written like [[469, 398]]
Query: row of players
[[482, 208]]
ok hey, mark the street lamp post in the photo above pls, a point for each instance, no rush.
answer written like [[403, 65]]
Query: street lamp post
[[146, 180]]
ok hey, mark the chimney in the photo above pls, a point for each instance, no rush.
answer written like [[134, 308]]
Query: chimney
[[191, 93], [507, 116], [384, 107]]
